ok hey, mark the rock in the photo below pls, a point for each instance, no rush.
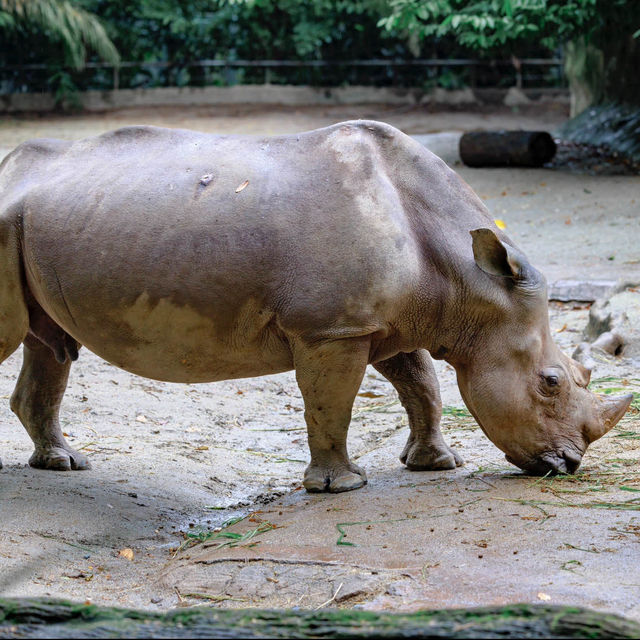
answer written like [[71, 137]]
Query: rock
[[354, 586], [580, 290], [445, 145], [516, 98], [251, 581], [400, 588], [613, 328]]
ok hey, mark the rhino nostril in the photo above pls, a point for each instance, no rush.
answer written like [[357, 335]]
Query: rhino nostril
[[572, 461], [566, 462], [551, 463], [559, 465]]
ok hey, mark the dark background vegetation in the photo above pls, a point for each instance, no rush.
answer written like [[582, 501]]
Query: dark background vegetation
[[69, 45], [167, 36]]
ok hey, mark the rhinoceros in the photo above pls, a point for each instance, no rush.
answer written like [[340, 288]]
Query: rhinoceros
[[188, 257]]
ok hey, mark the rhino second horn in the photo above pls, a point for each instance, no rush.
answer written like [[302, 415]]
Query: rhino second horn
[[611, 410]]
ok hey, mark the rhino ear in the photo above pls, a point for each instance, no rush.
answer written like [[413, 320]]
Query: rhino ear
[[495, 257]]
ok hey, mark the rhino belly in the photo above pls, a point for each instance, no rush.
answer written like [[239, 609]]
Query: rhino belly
[[166, 340], [174, 343]]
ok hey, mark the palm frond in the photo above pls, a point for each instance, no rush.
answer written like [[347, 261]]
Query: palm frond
[[76, 28]]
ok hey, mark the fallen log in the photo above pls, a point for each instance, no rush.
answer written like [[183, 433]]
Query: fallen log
[[41, 618], [506, 148]]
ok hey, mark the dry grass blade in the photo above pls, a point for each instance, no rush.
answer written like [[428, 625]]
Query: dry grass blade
[[456, 412], [274, 457], [621, 505], [377, 407], [211, 597], [220, 538], [331, 599]]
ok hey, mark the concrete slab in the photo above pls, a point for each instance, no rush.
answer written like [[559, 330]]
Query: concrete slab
[[580, 290]]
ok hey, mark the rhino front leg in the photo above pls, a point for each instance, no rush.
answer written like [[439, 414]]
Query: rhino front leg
[[329, 376], [414, 378], [36, 401]]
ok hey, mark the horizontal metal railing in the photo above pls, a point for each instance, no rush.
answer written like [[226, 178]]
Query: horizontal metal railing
[[517, 64]]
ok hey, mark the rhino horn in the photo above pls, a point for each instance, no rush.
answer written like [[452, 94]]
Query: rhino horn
[[610, 410]]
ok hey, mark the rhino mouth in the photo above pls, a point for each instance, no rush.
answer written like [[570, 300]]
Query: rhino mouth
[[550, 463]]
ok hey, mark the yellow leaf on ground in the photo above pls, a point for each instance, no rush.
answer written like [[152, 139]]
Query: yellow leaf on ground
[[544, 596], [500, 224], [127, 554], [242, 186]]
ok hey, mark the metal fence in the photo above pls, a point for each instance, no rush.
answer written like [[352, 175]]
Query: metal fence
[[450, 74]]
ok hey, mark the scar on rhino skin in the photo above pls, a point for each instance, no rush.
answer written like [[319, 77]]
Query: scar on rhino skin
[[202, 184], [42, 327]]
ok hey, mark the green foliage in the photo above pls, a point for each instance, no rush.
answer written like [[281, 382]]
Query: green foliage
[[494, 25], [308, 28], [63, 33], [258, 29], [178, 32], [7, 21], [64, 89]]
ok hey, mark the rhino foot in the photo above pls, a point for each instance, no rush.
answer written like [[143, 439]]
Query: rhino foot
[[59, 459], [429, 457], [347, 477]]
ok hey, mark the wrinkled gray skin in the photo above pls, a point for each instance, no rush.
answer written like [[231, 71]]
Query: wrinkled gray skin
[[350, 245]]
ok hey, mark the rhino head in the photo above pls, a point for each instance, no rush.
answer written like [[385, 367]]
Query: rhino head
[[529, 398]]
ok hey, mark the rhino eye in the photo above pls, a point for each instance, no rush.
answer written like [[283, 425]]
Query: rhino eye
[[551, 380]]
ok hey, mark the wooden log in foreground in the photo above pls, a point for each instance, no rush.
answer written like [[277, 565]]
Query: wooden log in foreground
[[506, 148], [39, 618]]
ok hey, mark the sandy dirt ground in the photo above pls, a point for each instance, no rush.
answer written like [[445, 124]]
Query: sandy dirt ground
[[173, 462]]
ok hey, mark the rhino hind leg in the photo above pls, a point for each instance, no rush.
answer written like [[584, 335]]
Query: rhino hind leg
[[48, 332], [36, 401], [329, 376], [414, 378]]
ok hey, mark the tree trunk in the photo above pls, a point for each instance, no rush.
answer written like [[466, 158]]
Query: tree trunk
[[506, 148], [36, 618], [584, 68], [604, 67]]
